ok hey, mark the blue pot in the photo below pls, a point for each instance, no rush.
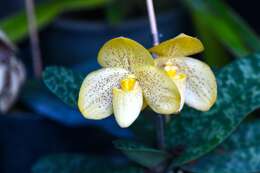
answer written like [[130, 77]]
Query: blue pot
[[76, 43]]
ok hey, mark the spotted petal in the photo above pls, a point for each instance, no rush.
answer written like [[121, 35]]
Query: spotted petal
[[125, 53], [182, 45], [127, 105], [160, 92], [180, 82], [201, 87], [95, 96]]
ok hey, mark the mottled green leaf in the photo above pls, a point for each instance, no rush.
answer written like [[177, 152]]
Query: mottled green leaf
[[225, 25], [64, 83], [193, 134], [144, 155], [15, 26], [76, 163], [240, 153]]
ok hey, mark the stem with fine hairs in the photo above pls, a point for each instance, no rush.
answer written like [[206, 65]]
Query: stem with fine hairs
[[160, 120], [34, 38]]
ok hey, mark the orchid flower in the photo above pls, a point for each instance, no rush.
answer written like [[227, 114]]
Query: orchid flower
[[128, 76], [194, 79], [131, 78]]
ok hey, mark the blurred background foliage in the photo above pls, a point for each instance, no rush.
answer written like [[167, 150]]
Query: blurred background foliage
[[220, 27], [16, 25], [72, 31]]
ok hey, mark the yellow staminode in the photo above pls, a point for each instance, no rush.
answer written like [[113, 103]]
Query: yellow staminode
[[128, 83], [170, 70], [180, 76]]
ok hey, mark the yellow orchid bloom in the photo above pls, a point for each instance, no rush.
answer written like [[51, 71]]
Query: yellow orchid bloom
[[194, 79], [128, 76]]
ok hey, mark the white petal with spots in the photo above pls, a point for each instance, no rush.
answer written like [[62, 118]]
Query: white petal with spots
[[160, 92], [201, 86], [95, 96]]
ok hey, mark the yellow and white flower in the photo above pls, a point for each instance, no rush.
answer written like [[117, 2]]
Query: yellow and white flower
[[194, 79], [128, 76], [131, 78]]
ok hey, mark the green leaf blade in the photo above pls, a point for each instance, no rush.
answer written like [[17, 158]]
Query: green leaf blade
[[145, 156], [226, 26], [64, 83], [247, 34], [197, 133], [239, 154]]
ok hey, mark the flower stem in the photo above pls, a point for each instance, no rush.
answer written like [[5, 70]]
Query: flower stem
[[36, 53], [152, 21], [160, 120]]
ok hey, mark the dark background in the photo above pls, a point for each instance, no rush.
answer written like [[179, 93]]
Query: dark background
[[27, 136]]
